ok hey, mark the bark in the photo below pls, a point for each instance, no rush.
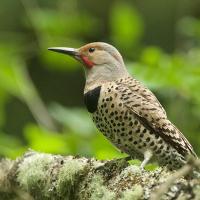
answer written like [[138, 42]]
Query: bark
[[44, 176]]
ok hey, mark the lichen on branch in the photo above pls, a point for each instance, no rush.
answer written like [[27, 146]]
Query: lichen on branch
[[44, 176]]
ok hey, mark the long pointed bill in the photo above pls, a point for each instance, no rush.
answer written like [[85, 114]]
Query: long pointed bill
[[75, 54], [65, 50]]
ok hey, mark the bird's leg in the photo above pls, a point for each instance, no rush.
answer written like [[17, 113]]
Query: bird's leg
[[147, 156]]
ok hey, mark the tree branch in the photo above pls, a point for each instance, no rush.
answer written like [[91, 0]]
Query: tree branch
[[45, 176]]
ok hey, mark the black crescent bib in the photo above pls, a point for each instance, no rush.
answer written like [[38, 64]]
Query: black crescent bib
[[91, 99]]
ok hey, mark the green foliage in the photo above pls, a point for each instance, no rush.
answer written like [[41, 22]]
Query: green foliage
[[126, 25], [190, 27], [45, 141], [30, 75], [11, 146], [75, 119], [3, 100]]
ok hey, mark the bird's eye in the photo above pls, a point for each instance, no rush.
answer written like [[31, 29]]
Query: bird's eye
[[91, 49]]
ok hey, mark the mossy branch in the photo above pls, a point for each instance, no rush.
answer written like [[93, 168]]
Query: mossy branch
[[45, 176]]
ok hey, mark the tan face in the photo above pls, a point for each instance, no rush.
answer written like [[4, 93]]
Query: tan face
[[89, 55], [98, 53]]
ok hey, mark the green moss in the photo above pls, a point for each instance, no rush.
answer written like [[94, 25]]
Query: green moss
[[68, 177], [133, 194], [99, 191], [33, 175]]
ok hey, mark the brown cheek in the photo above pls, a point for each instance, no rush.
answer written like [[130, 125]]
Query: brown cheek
[[89, 64]]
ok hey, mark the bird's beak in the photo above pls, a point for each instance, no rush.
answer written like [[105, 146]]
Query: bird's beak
[[65, 50]]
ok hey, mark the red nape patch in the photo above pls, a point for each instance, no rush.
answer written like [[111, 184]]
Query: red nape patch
[[88, 63]]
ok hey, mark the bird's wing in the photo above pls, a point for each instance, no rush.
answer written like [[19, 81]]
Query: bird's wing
[[136, 86], [154, 119]]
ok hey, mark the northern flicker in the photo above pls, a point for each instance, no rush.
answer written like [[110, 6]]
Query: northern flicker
[[125, 111]]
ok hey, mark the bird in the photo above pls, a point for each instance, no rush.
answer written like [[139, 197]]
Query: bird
[[127, 113]]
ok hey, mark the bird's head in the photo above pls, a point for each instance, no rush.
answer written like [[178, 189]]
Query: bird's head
[[101, 60]]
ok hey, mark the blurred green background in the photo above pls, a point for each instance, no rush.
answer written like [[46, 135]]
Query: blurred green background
[[41, 93]]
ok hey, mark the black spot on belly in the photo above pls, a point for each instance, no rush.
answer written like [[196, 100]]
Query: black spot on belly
[[91, 99]]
